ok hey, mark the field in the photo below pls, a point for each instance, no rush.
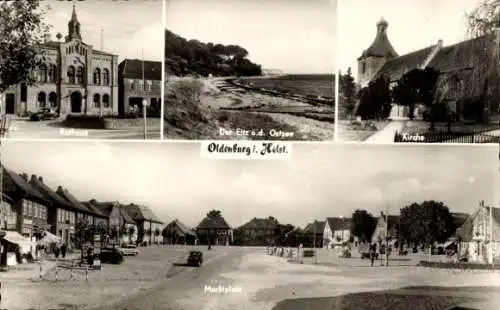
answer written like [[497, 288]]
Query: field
[[304, 84]]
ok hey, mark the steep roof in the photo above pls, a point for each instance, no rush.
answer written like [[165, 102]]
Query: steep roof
[[393, 219], [259, 223], [178, 225], [338, 223], [316, 226], [132, 69], [21, 184], [395, 68], [213, 223], [381, 46], [141, 213], [64, 193], [459, 218], [462, 55], [49, 193]]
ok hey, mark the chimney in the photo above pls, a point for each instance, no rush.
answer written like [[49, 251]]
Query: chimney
[[40, 179], [59, 189], [46, 38], [33, 178], [440, 43]]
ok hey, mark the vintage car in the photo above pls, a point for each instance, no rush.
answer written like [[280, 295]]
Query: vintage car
[[111, 256], [195, 259], [128, 250], [43, 114]]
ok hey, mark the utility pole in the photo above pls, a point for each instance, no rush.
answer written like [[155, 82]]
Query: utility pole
[[387, 236], [144, 101]]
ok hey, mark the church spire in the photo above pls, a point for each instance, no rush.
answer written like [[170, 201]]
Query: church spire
[[381, 46], [74, 27]]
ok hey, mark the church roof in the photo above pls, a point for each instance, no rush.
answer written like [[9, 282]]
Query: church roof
[[395, 68], [381, 46], [132, 69]]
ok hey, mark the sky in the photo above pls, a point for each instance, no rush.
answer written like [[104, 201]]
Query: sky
[[319, 181], [294, 36], [129, 27], [413, 25]]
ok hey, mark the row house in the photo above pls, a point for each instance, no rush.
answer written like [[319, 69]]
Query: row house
[[149, 227], [122, 227]]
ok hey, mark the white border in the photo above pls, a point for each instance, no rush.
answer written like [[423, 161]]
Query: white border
[[337, 71]]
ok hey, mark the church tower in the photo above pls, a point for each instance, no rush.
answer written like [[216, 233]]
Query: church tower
[[74, 27], [373, 58]]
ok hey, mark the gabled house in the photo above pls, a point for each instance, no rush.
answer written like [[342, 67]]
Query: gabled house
[[379, 234], [214, 231], [30, 209], [479, 236], [8, 215], [313, 234], [337, 232], [259, 231], [149, 227], [177, 233], [62, 215], [122, 227]]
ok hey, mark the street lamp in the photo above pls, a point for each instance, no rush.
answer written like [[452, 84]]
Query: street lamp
[[144, 113]]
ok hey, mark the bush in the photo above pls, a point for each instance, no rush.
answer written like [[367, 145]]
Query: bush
[[182, 104]]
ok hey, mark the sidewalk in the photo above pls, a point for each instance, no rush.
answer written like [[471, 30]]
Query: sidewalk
[[386, 135], [32, 271]]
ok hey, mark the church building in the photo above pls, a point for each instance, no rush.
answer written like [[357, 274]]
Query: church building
[[74, 78], [458, 65]]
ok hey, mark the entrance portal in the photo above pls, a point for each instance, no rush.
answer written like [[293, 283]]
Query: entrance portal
[[76, 102], [10, 102]]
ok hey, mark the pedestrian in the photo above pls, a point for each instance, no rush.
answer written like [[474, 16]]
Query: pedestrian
[[372, 253], [56, 251], [64, 248]]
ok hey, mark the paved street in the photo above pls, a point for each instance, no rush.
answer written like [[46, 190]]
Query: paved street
[[23, 129], [259, 281]]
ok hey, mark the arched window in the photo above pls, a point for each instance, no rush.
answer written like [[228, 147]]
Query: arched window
[[97, 76], [97, 100], [363, 67], [105, 77], [43, 73], [42, 97], [52, 74], [79, 75], [53, 100], [71, 75], [105, 101]]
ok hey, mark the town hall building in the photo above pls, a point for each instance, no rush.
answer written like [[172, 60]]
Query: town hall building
[[74, 78], [458, 65]]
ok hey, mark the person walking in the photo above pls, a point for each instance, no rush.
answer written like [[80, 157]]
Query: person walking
[[64, 248], [372, 253]]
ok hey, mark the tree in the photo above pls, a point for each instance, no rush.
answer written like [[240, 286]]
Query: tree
[[131, 232], [426, 223], [375, 100], [416, 86], [21, 33], [363, 225], [348, 90]]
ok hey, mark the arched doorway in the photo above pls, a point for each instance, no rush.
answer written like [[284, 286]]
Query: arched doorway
[[76, 102]]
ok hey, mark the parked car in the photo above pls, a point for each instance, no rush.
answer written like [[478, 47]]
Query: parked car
[[43, 114], [128, 250], [195, 259], [111, 256]]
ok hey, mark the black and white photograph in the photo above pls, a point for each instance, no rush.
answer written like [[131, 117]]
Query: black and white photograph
[[250, 70], [86, 225], [81, 69], [419, 71]]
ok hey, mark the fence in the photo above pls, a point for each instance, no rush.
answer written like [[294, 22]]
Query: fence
[[489, 136]]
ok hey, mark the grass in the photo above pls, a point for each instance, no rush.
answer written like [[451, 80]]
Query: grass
[[349, 132]]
